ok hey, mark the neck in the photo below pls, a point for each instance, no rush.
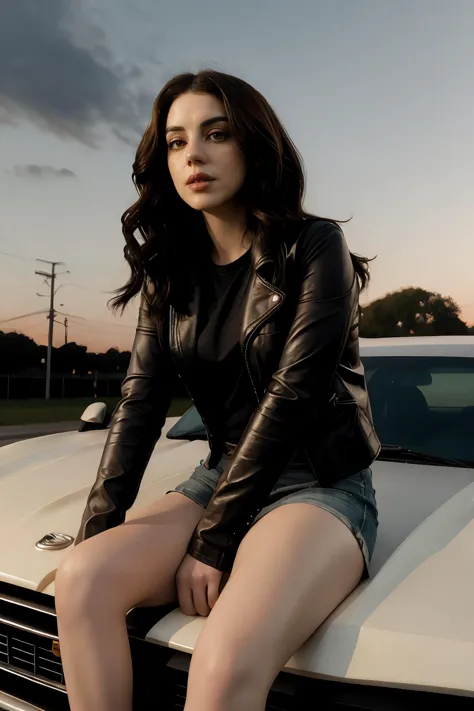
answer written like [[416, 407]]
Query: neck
[[228, 231]]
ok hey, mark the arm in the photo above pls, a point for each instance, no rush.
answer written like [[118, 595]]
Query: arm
[[325, 281], [136, 426]]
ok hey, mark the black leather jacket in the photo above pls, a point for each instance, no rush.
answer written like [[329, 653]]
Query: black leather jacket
[[301, 351]]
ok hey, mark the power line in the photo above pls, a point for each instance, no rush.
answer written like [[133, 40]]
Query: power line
[[93, 322], [17, 256], [37, 323], [97, 321], [63, 313], [35, 330], [65, 283], [99, 332], [86, 288], [16, 318]]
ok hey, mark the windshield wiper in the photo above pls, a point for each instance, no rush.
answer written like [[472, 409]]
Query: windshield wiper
[[395, 451]]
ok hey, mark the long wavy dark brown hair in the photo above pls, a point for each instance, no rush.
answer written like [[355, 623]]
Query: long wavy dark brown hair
[[173, 235]]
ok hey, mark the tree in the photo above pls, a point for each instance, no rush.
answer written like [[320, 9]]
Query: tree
[[412, 312], [70, 358], [17, 352], [471, 330]]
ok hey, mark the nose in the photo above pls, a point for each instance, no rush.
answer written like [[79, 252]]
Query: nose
[[194, 157], [195, 152]]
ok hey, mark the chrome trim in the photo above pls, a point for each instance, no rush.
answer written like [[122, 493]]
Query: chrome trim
[[13, 703], [27, 628], [54, 542], [26, 675], [31, 606]]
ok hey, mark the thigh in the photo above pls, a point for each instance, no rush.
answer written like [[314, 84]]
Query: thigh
[[138, 560], [352, 500], [293, 568]]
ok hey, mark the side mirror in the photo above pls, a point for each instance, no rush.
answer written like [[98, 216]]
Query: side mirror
[[95, 417]]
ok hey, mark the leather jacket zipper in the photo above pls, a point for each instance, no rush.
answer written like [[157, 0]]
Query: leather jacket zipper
[[261, 322], [248, 369]]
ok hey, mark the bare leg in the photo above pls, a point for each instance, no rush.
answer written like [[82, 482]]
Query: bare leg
[[100, 581], [292, 570]]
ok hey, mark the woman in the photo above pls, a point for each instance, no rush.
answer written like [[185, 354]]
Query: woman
[[254, 304]]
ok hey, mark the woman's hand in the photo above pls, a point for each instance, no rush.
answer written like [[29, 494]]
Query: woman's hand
[[198, 586]]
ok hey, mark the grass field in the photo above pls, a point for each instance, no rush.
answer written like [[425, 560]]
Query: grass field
[[24, 412]]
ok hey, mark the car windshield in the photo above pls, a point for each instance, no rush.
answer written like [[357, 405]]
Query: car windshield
[[423, 404]]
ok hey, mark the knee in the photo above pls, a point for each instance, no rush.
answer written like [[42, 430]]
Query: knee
[[227, 673], [81, 585]]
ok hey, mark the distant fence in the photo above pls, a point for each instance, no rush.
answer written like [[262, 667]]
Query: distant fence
[[17, 387], [13, 387]]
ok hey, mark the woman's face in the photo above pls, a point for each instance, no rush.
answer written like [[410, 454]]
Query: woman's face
[[206, 165]]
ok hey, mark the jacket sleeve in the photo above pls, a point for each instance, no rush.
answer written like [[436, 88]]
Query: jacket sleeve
[[135, 428], [326, 289]]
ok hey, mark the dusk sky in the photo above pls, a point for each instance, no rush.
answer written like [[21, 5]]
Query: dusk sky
[[376, 94]]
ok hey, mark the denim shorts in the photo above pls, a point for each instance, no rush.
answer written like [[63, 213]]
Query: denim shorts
[[351, 500]]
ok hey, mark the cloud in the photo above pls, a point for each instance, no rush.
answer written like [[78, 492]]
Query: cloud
[[48, 78], [42, 171]]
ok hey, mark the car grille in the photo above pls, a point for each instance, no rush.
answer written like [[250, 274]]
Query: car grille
[[282, 696], [277, 700], [30, 652], [29, 670]]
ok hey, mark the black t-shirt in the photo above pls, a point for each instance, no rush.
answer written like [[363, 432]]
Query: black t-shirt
[[221, 366]]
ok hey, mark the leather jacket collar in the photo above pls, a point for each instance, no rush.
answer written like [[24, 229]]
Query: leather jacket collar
[[263, 300]]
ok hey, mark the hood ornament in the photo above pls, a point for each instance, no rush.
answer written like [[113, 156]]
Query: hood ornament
[[54, 542]]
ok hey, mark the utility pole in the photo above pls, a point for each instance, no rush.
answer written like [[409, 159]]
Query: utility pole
[[52, 293], [64, 323]]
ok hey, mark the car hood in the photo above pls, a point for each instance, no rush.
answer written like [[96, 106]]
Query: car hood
[[410, 625], [44, 483]]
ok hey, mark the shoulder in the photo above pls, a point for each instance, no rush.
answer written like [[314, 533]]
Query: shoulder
[[318, 236], [321, 255]]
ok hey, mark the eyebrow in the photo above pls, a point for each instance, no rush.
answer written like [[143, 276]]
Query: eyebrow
[[207, 122]]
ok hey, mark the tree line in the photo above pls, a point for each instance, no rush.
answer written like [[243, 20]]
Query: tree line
[[21, 355], [408, 312]]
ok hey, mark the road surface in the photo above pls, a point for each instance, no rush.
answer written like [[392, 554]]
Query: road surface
[[15, 433]]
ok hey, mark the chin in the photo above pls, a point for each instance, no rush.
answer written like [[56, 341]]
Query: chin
[[206, 203]]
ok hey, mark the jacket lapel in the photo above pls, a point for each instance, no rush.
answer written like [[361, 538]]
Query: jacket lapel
[[263, 297]]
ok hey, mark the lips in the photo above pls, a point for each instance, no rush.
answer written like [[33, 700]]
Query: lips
[[199, 178]]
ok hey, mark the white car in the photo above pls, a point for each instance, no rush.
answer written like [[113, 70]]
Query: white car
[[402, 639]]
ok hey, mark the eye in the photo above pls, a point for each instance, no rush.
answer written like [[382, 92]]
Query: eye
[[173, 145], [218, 136]]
